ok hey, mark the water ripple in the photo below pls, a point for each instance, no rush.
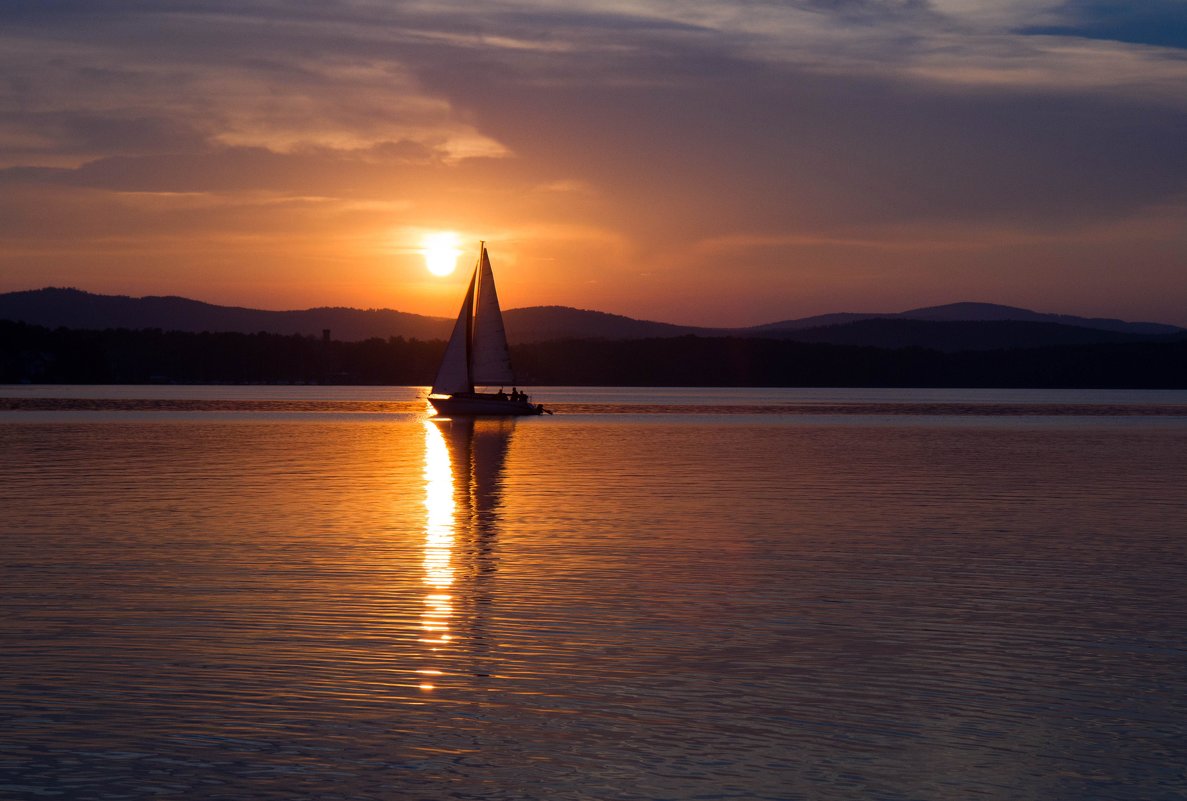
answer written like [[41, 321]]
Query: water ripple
[[650, 608]]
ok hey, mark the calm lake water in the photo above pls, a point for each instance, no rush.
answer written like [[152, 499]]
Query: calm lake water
[[320, 593]]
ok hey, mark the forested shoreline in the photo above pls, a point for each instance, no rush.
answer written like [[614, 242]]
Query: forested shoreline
[[34, 354]]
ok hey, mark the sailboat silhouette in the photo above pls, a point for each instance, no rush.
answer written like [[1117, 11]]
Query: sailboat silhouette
[[477, 355]]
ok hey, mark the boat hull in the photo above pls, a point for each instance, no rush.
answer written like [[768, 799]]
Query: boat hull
[[479, 405]]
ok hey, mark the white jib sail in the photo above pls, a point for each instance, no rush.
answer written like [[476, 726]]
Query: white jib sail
[[491, 361], [453, 376]]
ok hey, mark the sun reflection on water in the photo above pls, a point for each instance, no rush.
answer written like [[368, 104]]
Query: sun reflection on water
[[438, 546]]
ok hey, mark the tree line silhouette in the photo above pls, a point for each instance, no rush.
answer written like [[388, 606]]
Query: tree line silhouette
[[34, 354]]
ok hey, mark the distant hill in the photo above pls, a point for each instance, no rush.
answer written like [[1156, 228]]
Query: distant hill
[[73, 308], [972, 312], [544, 323], [954, 327], [947, 332]]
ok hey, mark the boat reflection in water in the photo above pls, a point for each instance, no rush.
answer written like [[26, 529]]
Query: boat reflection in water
[[463, 463]]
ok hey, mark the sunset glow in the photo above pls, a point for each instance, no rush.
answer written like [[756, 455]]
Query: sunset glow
[[441, 251], [662, 161]]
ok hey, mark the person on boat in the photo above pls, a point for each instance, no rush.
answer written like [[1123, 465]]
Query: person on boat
[[501, 395], [516, 395]]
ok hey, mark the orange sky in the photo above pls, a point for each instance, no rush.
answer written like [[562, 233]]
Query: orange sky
[[714, 163]]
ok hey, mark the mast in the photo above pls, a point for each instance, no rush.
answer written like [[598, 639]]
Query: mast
[[475, 283]]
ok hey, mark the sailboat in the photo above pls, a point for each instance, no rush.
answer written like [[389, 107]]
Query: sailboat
[[477, 355]]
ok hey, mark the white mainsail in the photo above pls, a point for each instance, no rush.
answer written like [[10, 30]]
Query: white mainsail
[[477, 352], [490, 359]]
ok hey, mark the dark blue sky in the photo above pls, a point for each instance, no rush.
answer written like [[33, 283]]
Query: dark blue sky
[[1162, 23]]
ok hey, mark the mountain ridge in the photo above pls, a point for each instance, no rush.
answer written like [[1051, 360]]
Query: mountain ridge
[[973, 311], [956, 326]]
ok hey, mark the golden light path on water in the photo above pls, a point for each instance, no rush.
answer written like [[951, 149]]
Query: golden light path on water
[[438, 547]]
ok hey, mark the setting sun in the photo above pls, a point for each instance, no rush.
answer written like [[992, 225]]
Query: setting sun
[[441, 251]]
